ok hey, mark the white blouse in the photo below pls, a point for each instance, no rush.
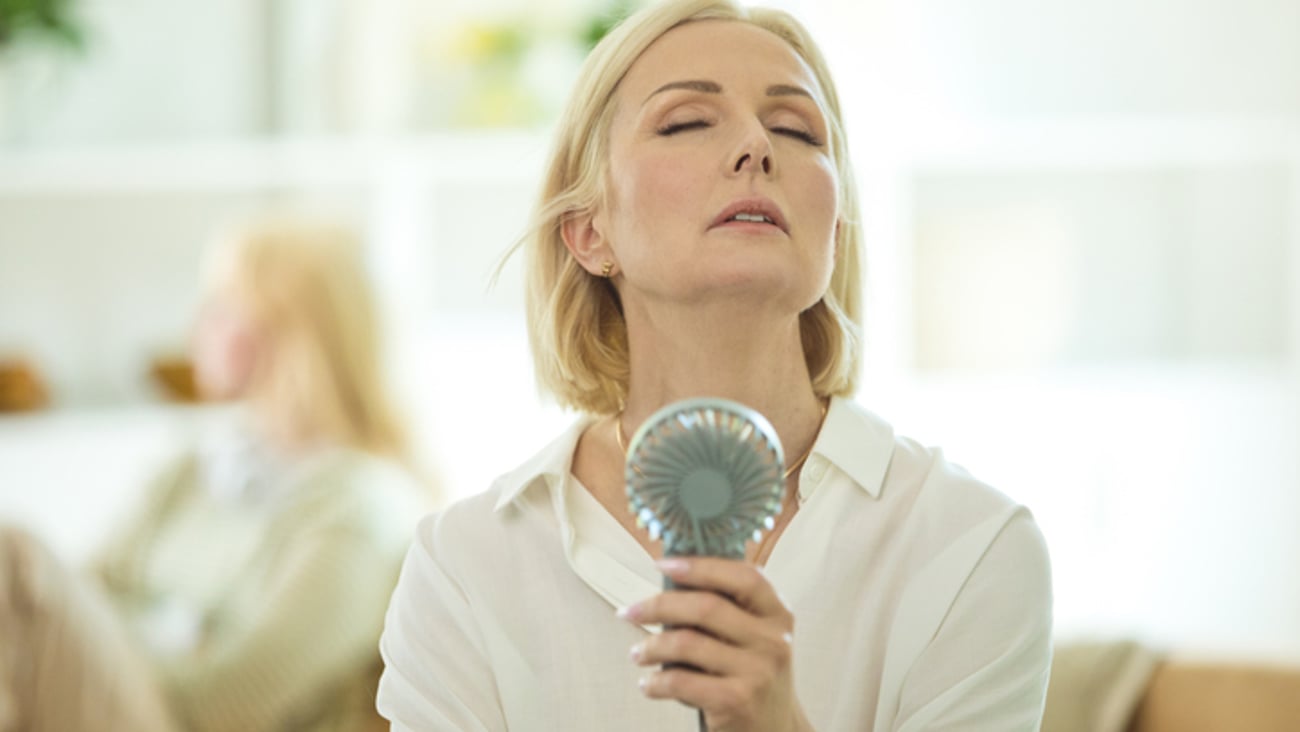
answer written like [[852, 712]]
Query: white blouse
[[922, 600]]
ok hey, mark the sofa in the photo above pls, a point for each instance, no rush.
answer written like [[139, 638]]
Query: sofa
[[1124, 686]]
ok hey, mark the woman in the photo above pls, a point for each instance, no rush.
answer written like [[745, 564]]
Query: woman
[[248, 593], [697, 235]]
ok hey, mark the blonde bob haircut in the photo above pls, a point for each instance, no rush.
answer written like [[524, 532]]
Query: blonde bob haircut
[[318, 375], [576, 328]]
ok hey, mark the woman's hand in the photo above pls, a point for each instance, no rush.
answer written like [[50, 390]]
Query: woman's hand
[[733, 628]]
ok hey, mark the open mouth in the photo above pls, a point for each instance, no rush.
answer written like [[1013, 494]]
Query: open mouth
[[752, 211], [754, 218]]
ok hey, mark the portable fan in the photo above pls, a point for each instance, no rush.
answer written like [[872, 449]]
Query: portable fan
[[705, 476]]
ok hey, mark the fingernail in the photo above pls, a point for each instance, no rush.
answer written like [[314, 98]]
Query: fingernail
[[629, 612], [641, 683], [672, 566], [635, 652]]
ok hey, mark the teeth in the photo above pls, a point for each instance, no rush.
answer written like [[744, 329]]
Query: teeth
[[756, 218]]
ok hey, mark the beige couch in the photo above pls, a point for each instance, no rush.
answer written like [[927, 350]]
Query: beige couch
[[1125, 687]]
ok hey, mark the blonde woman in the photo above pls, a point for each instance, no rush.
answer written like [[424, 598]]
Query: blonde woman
[[698, 235], [248, 593]]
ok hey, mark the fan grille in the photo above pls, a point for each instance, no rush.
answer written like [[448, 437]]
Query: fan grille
[[705, 476]]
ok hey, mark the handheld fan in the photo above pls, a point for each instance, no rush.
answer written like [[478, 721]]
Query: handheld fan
[[705, 476]]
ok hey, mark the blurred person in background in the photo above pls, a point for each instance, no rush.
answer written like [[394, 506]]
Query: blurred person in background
[[698, 235], [248, 591]]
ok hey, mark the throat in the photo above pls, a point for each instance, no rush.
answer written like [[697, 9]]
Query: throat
[[758, 552]]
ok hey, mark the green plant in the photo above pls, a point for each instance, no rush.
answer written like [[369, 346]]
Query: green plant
[[52, 20], [604, 22]]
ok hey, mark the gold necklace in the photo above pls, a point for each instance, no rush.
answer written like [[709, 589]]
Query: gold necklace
[[622, 441]]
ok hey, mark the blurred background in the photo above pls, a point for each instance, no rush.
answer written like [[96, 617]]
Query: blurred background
[[1083, 227]]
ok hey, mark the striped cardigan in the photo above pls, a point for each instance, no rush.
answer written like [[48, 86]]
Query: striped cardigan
[[263, 612]]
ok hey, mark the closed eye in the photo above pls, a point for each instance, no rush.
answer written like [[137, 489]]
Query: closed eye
[[682, 127], [807, 137]]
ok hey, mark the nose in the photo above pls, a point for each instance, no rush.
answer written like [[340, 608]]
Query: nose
[[747, 160], [754, 153]]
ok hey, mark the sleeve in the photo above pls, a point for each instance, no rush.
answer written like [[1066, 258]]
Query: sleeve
[[986, 668], [117, 564], [315, 624], [436, 670]]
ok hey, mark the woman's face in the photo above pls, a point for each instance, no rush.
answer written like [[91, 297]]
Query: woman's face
[[720, 181], [226, 347]]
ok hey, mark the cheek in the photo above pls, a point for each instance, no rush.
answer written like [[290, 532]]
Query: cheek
[[224, 357], [822, 196], [653, 186], [240, 354]]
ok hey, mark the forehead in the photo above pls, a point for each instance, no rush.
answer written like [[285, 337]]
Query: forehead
[[734, 54]]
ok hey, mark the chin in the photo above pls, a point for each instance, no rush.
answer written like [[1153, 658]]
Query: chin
[[767, 288]]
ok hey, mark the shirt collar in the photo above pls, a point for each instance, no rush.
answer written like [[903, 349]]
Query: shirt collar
[[853, 439], [549, 466], [857, 442]]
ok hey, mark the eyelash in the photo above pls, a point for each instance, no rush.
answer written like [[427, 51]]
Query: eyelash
[[799, 135], [701, 124], [673, 129]]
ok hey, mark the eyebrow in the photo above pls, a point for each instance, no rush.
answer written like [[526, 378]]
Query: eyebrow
[[786, 90], [712, 87], [699, 85]]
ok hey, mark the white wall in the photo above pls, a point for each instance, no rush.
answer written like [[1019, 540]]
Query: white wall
[[1066, 58], [1084, 252], [152, 69]]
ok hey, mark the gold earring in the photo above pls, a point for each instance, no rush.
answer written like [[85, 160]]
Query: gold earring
[[606, 269]]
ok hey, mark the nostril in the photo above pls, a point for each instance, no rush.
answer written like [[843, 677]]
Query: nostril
[[767, 164], [740, 163]]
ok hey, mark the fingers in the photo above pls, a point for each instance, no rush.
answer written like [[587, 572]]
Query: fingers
[[711, 655], [721, 634], [708, 611], [729, 627], [697, 690], [742, 582], [727, 702], [729, 599], [686, 645]]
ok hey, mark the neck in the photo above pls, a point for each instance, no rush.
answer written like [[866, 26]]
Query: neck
[[733, 353], [279, 435]]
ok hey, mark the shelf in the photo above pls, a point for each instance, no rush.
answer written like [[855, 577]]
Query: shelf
[[1057, 265], [270, 164], [1084, 144]]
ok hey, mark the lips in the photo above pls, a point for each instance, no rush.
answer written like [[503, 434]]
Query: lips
[[749, 210]]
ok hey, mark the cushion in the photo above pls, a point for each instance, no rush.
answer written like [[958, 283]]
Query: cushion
[[1201, 696], [1096, 685]]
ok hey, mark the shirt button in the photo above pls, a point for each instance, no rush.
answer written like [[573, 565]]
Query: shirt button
[[816, 468]]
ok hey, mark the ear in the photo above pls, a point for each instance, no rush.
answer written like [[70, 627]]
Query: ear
[[586, 242]]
